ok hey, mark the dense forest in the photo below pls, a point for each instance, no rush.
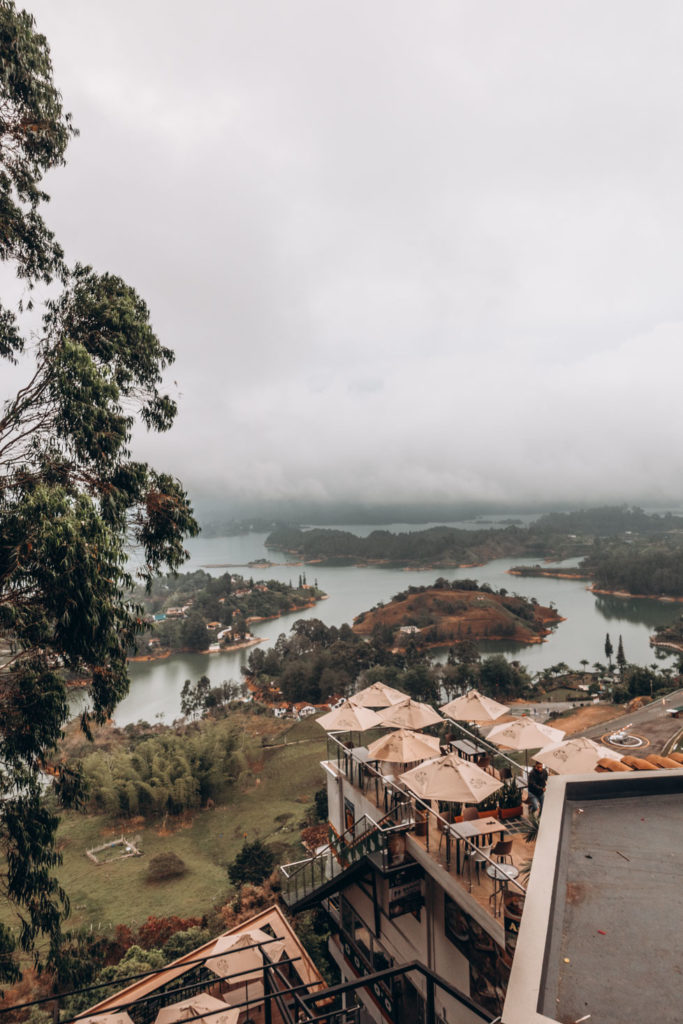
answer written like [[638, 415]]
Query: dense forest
[[167, 773], [640, 565], [647, 567], [315, 663], [440, 545]]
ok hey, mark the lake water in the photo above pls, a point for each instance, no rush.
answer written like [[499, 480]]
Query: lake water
[[155, 686]]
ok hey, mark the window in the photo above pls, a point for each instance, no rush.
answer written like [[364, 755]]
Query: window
[[363, 940]]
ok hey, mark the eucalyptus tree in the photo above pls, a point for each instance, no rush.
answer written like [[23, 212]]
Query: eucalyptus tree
[[73, 501]]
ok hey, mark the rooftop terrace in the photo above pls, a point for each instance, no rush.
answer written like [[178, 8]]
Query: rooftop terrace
[[390, 806], [600, 935]]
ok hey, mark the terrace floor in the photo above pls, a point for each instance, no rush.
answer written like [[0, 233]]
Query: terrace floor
[[481, 887]]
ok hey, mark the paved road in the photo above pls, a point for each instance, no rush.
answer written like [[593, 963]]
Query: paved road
[[651, 721]]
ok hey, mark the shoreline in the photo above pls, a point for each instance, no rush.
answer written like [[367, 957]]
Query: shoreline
[[232, 647], [669, 645], [247, 565], [379, 563], [644, 597], [440, 645], [279, 615], [186, 650], [542, 574]]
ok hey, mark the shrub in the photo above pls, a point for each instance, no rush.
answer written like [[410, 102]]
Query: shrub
[[165, 865], [252, 864], [156, 931], [184, 942]]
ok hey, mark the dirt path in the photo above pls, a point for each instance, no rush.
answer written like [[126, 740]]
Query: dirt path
[[587, 717]]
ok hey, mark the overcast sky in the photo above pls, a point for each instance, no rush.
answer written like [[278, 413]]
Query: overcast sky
[[402, 250]]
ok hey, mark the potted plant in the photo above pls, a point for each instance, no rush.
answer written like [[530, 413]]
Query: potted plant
[[488, 808], [510, 800]]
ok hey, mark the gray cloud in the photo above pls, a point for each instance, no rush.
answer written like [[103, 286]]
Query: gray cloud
[[401, 252]]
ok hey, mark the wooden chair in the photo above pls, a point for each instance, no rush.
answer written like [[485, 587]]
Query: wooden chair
[[502, 850], [470, 814]]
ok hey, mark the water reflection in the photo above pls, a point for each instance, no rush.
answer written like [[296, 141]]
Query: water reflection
[[640, 610]]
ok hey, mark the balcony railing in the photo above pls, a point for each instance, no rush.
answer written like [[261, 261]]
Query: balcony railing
[[365, 837], [393, 798]]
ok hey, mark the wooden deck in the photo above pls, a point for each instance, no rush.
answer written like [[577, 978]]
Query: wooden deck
[[480, 888], [479, 885]]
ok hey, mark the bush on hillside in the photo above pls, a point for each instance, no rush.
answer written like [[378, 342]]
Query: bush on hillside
[[165, 865]]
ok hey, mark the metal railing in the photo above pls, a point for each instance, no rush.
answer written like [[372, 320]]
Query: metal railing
[[366, 836], [433, 983], [394, 798], [500, 762], [288, 999]]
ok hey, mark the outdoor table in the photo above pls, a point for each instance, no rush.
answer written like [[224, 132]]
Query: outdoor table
[[468, 750], [472, 830], [501, 875]]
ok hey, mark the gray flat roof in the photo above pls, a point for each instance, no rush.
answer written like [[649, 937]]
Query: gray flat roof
[[600, 938]]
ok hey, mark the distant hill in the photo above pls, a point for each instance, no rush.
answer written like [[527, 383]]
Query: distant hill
[[441, 616], [439, 546], [622, 548]]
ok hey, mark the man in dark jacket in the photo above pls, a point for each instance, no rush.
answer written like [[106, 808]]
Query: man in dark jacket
[[538, 777]]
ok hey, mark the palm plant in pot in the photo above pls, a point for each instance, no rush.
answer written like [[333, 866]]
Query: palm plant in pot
[[510, 800]]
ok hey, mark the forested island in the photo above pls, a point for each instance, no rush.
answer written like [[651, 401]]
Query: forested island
[[638, 566], [550, 572], [197, 612], [445, 613], [438, 547], [622, 549]]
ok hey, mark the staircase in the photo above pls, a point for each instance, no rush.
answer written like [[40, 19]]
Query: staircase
[[306, 882]]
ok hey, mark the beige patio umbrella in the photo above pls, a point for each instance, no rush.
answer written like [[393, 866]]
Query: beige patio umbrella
[[578, 754], [403, 746], [524, 735], [378, 695], [409, 714], [230, 955], [474, 707], [198, 1005], [349, 718], [451, 778]]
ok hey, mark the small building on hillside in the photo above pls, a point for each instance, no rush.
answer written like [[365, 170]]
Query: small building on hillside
[[259, 971]]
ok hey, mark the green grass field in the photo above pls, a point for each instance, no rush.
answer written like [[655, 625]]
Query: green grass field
[[271, 809]]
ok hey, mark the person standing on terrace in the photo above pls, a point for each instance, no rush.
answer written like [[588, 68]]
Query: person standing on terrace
[[538, 777]]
